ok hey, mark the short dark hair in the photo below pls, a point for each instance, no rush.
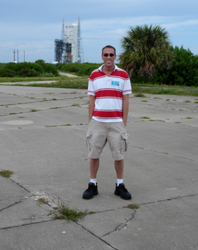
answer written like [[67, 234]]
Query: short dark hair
[[109, 46]]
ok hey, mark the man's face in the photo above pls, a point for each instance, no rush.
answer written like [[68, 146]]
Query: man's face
[[108, 56]]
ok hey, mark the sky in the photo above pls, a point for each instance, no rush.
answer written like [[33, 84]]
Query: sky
[[31, 26]]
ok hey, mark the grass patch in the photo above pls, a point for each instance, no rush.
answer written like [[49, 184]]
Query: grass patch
[[165, 90], [33, 110], [189, 117], [12, 113], [76, 105], [157, 98], [52, 126], [6, 173], [139, 95], [67, 125], [132, 206], [145, 117], [28, 79], [42, 201], [77, 83], [65, 213]]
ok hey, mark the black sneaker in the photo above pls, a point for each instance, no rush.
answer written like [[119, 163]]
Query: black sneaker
[[122, 192], [91, 191]]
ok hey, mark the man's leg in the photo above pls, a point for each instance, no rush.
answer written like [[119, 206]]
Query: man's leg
[[119, 167], [94, 165], [92, 187], [120, 188]]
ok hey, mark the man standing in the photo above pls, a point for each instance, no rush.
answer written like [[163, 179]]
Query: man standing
[[109, 89]]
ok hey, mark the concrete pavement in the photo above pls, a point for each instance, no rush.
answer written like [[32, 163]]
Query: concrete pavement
[[42, 133]]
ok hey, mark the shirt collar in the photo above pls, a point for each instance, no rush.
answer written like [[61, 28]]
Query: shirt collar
[[115, 68]]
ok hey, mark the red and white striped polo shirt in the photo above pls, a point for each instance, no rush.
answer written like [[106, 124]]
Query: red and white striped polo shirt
[[108, 91]]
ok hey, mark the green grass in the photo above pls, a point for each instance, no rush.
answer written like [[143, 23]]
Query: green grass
[[67, 125], [145, 117], [139, 95], [69, 214], [82, 83], [76, 105], [6, 173], [132, 206], [29, 79], [79, 83], [165, 90], [42, 201]]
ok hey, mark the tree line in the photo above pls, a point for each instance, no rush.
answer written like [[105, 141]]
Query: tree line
[[28, 69]]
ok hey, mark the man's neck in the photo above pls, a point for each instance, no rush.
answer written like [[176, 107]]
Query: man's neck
[[108, 70]]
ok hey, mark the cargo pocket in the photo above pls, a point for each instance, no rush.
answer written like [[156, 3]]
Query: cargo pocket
[[124, 143], [88, 140]]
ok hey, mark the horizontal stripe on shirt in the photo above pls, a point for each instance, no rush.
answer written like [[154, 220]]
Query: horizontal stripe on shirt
[[108, 93], [107, 114]]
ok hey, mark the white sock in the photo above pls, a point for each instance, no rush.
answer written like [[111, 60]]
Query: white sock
[[119, 181], [93, 181]]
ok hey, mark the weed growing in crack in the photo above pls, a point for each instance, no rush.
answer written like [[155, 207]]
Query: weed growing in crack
[[76, 105], [66, 125], [132, 206], [6, 173], [42, 201], [157, 98], [65, 213], [145, 117]]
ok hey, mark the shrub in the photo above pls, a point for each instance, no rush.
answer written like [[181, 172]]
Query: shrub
[[183, 70], [49, 68], [28, 69], [6, 73], [81, 69]]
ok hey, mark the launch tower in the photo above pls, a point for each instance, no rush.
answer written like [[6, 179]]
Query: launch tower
[[69, 48]]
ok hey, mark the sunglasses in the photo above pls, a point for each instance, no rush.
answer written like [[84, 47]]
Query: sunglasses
[[106, 55]]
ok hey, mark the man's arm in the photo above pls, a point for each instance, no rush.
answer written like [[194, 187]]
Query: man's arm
[[125, 108], [91, 106]]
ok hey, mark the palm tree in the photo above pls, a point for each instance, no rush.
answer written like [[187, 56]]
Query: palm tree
[[145, 48]]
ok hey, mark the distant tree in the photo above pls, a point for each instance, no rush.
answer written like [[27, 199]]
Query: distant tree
[[40, 61], [145, 48]]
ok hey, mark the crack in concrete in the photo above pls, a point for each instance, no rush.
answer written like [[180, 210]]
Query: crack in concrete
[[38, 110], [13, 204], [176, 156], [41, 101], [26, 224], [96, 236], [121, 226], [169, 199]]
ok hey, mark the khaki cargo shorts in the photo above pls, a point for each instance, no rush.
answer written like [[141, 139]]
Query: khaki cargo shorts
[[100, 132]]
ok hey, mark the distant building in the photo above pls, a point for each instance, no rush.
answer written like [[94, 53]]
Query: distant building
[[68, 49], [71, 43]]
